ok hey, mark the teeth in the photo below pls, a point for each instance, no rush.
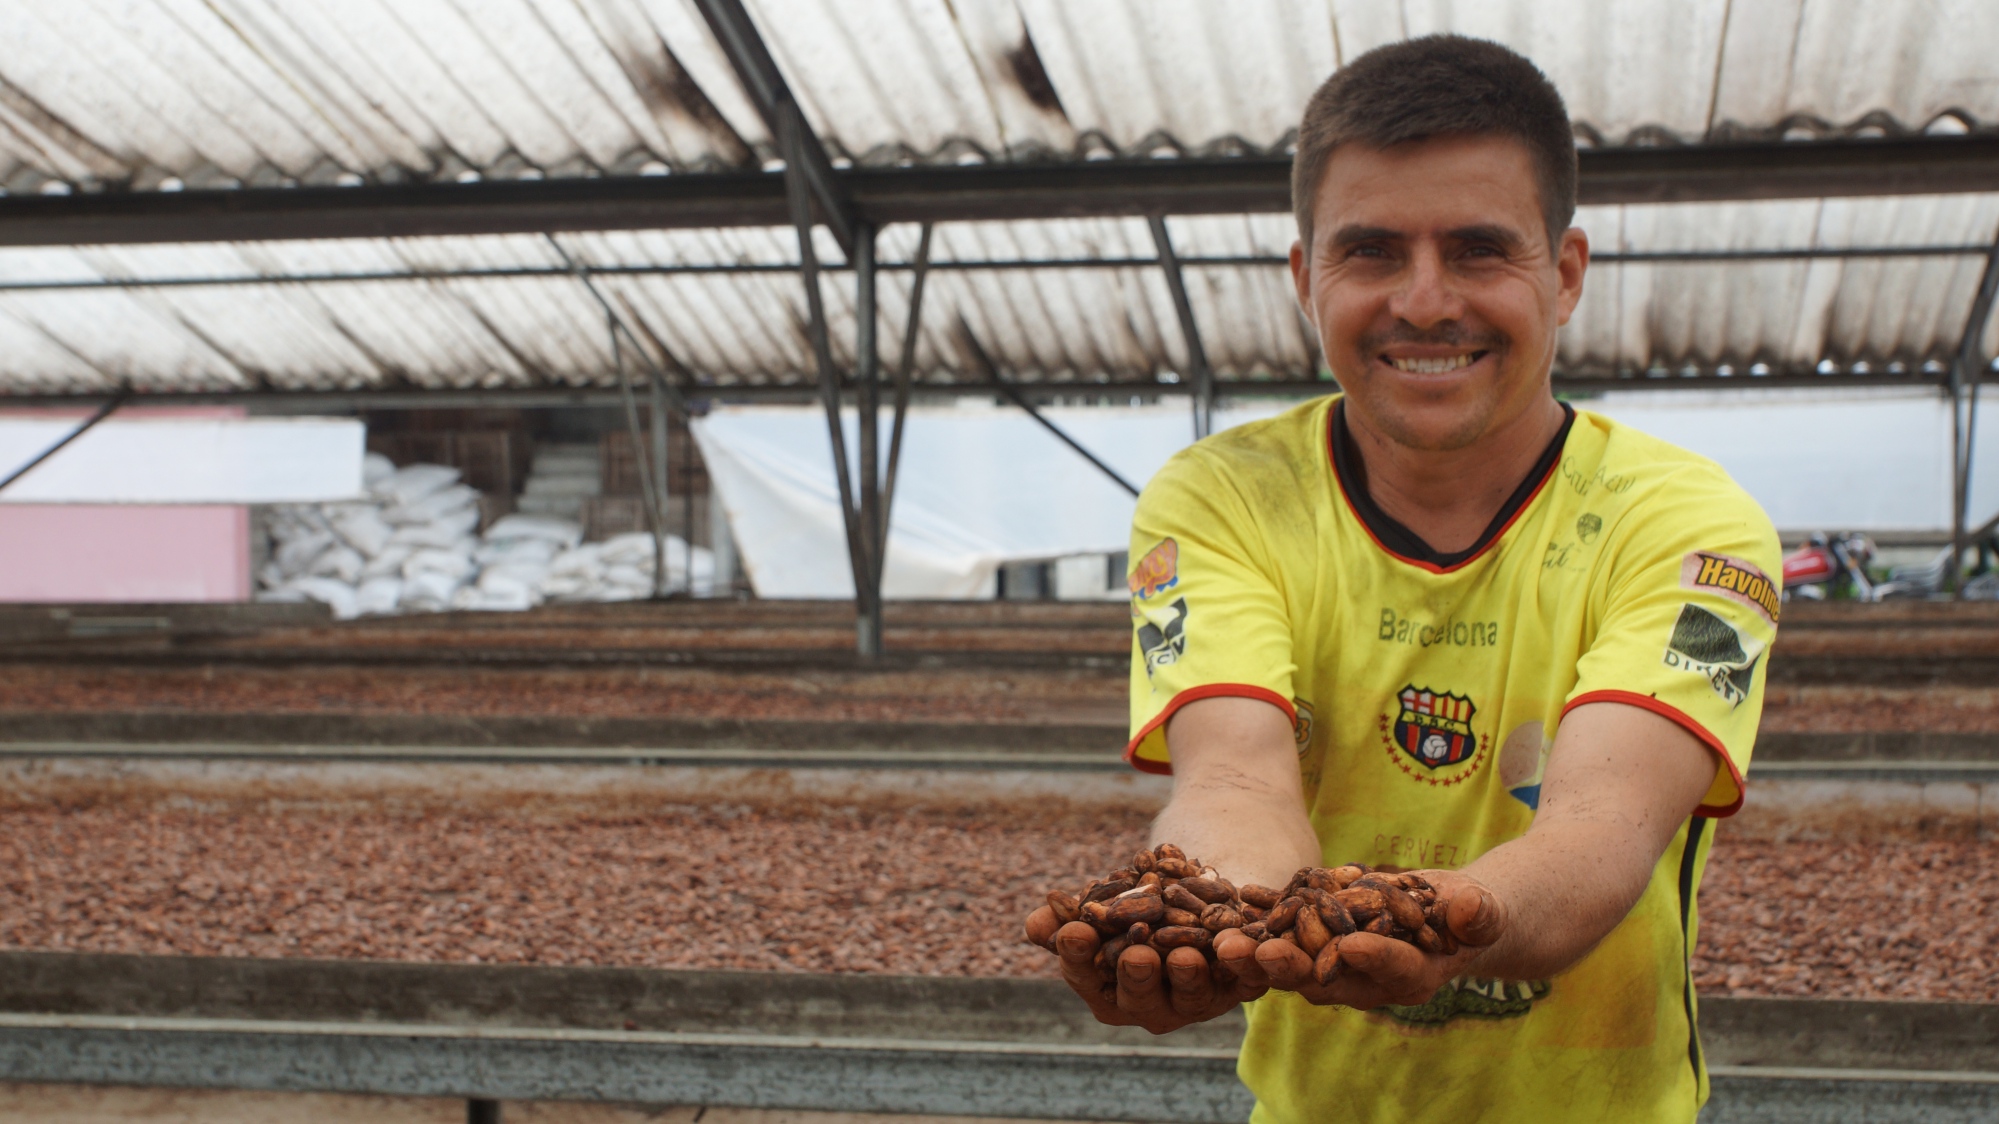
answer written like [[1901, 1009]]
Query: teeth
[[1433, 366]]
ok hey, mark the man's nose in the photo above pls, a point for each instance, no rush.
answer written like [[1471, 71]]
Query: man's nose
[[1427, 296]]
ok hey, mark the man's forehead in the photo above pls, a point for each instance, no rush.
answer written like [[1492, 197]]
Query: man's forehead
[[1430, 187]]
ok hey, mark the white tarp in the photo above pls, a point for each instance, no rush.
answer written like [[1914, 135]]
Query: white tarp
[[985, 485], [185, 460], [978, 486], [1870, 460]]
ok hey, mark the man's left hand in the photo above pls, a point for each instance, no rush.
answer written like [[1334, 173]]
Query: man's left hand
[[1377, 970]]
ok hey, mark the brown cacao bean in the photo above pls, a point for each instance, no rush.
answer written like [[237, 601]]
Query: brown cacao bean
[[1251, 913], [1327, 966], [1403, 908], [1219, 916], [1179, 897], [1168, 851], [1262, 897], [1320, 879], [1066, 908], [1127, 911], [1312, 932], [1176, 868], [1338, 921], [1282, 917], [1345, 875], [1382, 926], [1098, 915], [1256, 931], [1139, 933], [1364, 902], [1427, 939], [1107, 957], [1106, 889], [1206, 889], [1143, 862], [1149, 878], [1182, 936], [1181, 917]]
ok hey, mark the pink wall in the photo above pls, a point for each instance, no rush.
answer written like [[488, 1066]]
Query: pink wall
[[125, 552]]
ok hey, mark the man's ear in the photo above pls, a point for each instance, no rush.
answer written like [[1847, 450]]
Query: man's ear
[[1571, 262], [1301, 277]]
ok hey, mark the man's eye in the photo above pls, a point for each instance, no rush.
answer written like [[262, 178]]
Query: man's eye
[[1367, 252]]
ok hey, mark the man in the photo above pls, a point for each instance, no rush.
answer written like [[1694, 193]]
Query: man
[[1445, 622]]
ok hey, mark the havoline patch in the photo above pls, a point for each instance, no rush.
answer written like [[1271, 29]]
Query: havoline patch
[[1713, 649], [1162, 634], [1739, 581]]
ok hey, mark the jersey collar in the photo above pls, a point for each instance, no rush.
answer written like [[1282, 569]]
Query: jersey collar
[[1400, 541]]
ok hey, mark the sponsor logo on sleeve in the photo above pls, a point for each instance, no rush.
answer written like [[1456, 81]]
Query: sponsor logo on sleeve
[[1711, 648], [1429, 735], [1734, 579], [1158, 571], [1162, 633]]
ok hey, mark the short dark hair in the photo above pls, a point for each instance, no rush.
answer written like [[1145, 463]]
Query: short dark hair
[[1439, 85]]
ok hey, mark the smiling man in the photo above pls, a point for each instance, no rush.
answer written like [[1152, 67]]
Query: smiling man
[[1444, 622]]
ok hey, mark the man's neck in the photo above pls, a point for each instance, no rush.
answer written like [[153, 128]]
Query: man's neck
[[1448, 498]]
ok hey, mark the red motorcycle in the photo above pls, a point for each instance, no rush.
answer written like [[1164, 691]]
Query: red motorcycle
[[1821, 568]]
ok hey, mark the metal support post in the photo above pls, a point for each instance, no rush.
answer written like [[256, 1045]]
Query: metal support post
[[986, 367], [656, 403], [110, 406], [904, 369], [867, 384], [1197, 356], [479, 1110], [1966, 375]]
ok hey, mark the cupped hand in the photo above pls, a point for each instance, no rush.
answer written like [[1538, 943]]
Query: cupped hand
[[1158, 995], [1376, 970]]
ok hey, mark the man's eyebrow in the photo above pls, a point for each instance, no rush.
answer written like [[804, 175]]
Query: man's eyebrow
[[1489, 233], [1353, 233]]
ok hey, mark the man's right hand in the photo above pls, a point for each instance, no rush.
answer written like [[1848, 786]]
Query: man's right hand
[[1158, 996]]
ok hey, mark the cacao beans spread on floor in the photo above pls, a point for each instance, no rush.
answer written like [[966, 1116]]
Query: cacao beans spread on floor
[[1166, 900]]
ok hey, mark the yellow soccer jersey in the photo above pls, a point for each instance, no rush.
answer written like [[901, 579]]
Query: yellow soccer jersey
[[1425, 691]]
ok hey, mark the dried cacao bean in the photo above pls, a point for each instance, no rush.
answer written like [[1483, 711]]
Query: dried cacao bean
[[1381, 926], [1106, 889], [1176, 916], [1403, 909], [1098, 915], [1345, 875], [1256, 931], [1312, 932], [1206, 889], [1139, 933], [1143, 862], [1179, 897], [1262, 897], [1286, 914], [1177, 868], [1251, 913], [1363, 902], [1219, 916], [1182, 936], [1149, 878], [1427, 939], [1107, 958], [1168, 851], [1338, 921], [1320, 879], [1327, 965], [1127, 911], [1066, 908]]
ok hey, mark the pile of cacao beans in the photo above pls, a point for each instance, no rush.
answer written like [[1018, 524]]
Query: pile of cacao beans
[[1166, 900]]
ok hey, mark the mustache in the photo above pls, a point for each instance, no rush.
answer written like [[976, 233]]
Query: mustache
[[1448, 335]]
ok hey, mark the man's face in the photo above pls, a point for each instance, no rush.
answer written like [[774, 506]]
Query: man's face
[[1435, 292]]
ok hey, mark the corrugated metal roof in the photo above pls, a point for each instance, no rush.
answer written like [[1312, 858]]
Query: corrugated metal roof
[[1062, 324], [146, 92]]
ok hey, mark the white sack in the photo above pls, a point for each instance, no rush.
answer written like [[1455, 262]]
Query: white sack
[[296, 555], [456, 565], [331, 592], [563, 532], [411, 483], [446, 530], [511, 552], [338, 561], [437, 505], [429, 591], [361, 526], [376, 468], [389, 563], [379, 596]]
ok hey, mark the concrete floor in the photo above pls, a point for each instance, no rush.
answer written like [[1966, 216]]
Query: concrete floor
[[98, 1104]]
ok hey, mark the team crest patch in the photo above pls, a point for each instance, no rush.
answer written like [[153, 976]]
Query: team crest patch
[[1430, 735], [1158, 571], [1162, 634], [1734, 579], [1711, 648]]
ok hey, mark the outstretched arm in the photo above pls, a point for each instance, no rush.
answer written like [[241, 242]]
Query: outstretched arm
[[1619, 783]]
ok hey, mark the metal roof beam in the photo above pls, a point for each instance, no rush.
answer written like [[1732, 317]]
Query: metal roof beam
[[1689, 173]]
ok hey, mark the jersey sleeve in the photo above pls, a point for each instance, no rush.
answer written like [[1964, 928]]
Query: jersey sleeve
[[1207, 611], [1688, 617]]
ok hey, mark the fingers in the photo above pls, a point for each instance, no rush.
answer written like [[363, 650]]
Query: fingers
[[1237, 953], [1041, 926], [1192, 988], [1284, 965], [1399, 970], [1141, 992], [1476, 915], [1076, 947]]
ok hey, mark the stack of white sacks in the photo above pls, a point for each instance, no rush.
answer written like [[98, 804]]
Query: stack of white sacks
[[413, 546]]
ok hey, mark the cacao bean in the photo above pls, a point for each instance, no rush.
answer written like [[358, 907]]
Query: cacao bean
[[1382, 926], [1338, 921], [1143, 862], [1327, 966], [1251, 913], [1179, 897], [1219, 916], [1151, 888], [1363, 902], [1256, 931], [1312, 932], [1415, 883], [1427, 939], [1127, 911], [1177, 868], [1065, 907], [1403, 909], [1149, 878], [1297, 883], [1109, 888], [1345, 875], [1107, 958], [1098, 915], [1182, 936], [1139, 933], [1320, 879], [1206, 889], [1262, 897], [1282, 917], [1176, 916], [1125, 874], [1168, 851]]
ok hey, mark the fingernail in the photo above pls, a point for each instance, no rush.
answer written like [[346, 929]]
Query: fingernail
[[1139, 973]]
